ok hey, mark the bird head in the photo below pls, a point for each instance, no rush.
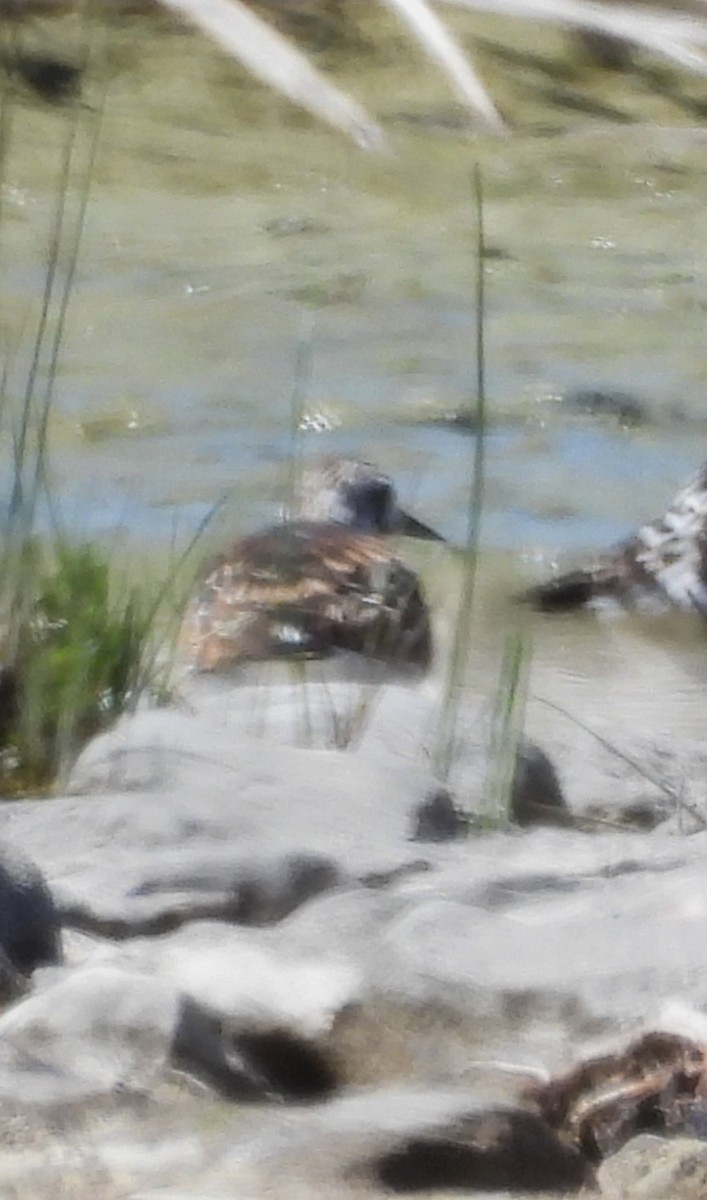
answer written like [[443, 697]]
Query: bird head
[[350, 492]]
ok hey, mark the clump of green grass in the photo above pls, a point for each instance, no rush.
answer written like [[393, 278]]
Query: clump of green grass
[[494, 810], [446, 741], [76, 645], [506, 731], [78, 663]]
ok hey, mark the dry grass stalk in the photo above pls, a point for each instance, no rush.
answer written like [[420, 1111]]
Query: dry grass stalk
[[670, 34], [674, 35], [439, 44], [274, 60]]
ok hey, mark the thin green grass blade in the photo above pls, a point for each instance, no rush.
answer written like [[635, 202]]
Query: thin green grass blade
[[300, 388], [458, 661], [506, 729]]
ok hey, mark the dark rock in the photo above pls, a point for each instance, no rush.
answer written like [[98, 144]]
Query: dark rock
[[599, 402], [290, 1067], [437, 819], [250, 1064], [29, 924], [536, 796], [491, 1151], [52, 79], [9, 700], [13, 984]]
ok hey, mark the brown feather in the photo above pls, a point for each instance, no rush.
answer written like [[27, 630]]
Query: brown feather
[[307, 589]]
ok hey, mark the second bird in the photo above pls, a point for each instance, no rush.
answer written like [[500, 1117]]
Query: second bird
[[661, 567]]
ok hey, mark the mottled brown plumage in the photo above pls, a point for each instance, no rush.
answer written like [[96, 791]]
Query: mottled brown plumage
[[311, 587]]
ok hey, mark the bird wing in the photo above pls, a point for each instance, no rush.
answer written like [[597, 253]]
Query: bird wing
[[663, 565], [307, 588], [670, 555]]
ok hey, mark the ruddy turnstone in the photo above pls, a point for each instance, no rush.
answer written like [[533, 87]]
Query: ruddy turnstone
[[661, 567], [329, 579]]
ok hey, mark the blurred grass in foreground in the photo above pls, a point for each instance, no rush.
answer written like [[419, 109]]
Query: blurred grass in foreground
[[77, 647]]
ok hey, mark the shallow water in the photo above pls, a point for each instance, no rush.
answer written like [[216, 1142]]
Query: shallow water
[[224, 230]]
